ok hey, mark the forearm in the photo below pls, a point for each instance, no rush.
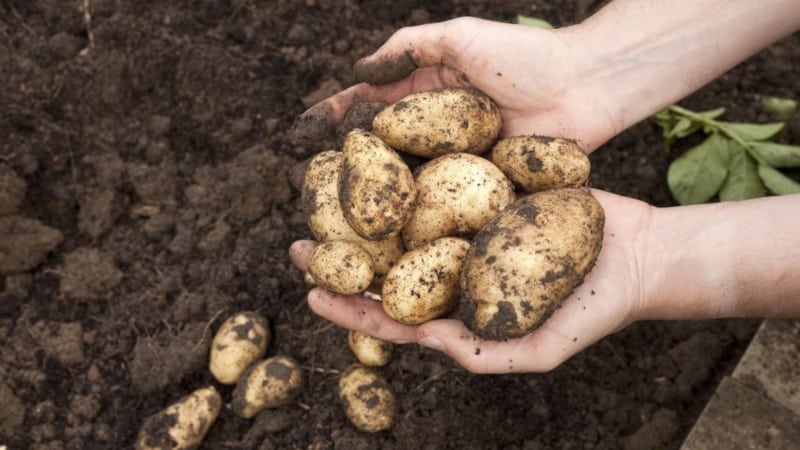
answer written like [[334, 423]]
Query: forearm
[[733, 259], [649, 54]]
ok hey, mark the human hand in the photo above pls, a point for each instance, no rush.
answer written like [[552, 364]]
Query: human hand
[[609, 299]]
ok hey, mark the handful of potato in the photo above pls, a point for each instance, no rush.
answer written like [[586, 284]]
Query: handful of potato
[[453, 232]]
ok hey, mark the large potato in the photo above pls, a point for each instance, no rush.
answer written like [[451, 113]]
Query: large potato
[[376, 188], [523, 264], [182, 425], [272, 383], [537, 163], [240, 341], [441, 121], [425, 282], [342, 267], [368, 401], [456, 195], [320, 198]]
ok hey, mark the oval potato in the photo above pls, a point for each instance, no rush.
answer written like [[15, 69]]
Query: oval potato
[[240, 341], [440, 121], [456, 195], [368, 401], [424, 284], [182, 425], [538, 163], [370, 351], [342, 267], [320, 199], [523, 264], [376, 188], [272, 383]]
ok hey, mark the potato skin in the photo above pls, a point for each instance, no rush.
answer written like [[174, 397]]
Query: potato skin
[[523, 264], [342, 267], [370, 351], [456, 195], [182, 425], [240, 341], [368, 401], [538, 163], [424, 284], [320, 199], [440, 121], [272, 383], [376, 188]]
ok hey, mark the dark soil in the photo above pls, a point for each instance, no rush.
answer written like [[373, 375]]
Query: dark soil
[[144, 197]]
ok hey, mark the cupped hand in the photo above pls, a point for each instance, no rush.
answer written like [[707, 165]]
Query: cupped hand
[[542, 80], [608, 300]]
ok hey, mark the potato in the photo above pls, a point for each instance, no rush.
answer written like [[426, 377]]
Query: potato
[[182, 425], [376, 188], [523, 264], [370, 351], [271, 383], [240, 341], [424, 284], [441, 121], [537, 163], [368, 401], [456, 195], [341, 267], [320, 198]]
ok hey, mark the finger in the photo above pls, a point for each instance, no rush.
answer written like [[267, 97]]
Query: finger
[[362, 314], [299, 252]]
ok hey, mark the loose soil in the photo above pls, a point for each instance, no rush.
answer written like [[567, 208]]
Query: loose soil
[[144, 197]]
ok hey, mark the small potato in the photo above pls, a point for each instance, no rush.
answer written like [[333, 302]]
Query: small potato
[[341, 267], [537, 163], [320, 198], [440, 121], [370, 351], [182, 425], [376, 188], [425, 282], [272, 383], [240, 341], [456, 195], [523, 264], [368, 401]]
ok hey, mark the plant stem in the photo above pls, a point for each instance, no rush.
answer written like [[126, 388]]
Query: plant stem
[[714, 124]]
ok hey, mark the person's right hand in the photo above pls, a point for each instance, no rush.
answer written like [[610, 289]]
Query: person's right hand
[[541, 79]]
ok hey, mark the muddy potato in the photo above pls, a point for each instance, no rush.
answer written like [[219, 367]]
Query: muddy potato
[[523, 264], [376, 188], [440, 121], [368, 401], [370, 351], [182, 425], [424, 284], [537, 163], [240, 341], [320, 199], [269, 384], [341, 267], [456, 195]]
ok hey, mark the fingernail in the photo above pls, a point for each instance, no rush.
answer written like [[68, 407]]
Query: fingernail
[[432, 342]]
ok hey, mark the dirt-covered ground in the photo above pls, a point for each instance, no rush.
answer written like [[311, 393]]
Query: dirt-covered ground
[[144, 152]]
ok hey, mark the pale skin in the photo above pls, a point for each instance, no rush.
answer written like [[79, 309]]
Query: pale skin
[[589, 82]]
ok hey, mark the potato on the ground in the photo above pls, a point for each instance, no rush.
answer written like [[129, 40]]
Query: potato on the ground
[[440, 121], [523, 264], [368, 400], [271, 383], [342, 267], [425, 282], [376, 188], [456, 195], [537, 163], [240, 341], [370, 351], [182, 425]]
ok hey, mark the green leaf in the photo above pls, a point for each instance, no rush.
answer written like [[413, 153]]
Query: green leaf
[[777, 182], [682, 125], [712, 113], [782, 108], [533, 21], [752, 131], [699, 173], [776, 155], [742, 181]]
